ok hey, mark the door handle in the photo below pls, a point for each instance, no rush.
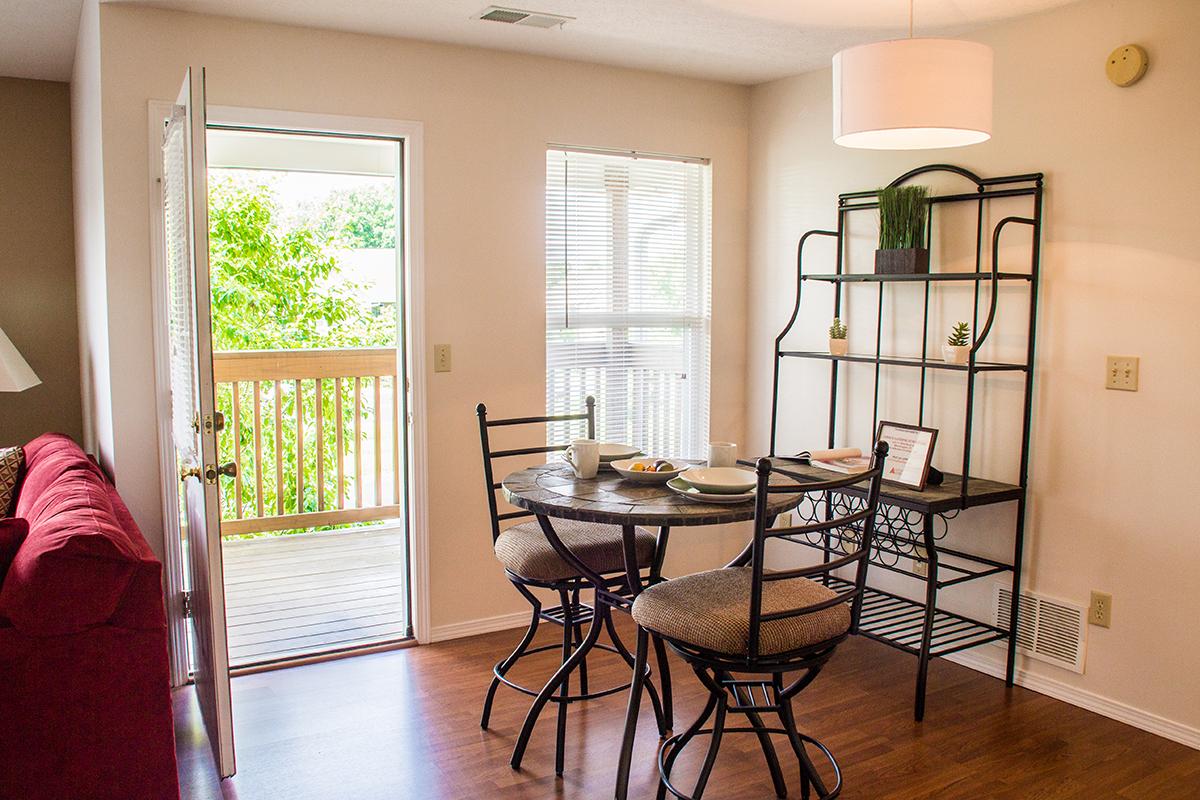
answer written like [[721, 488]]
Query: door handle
[[212, 471], [188, 472]]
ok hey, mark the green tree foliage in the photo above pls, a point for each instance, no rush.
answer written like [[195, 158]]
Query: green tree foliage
[[278, 285], [363, 217]]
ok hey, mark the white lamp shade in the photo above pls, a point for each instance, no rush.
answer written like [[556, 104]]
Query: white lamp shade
[[912, 94], [15, 373]]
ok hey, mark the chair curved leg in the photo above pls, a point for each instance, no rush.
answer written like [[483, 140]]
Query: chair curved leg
[[583, 670], [560, 738], [659, 717], [668, 761], [664, 680], [714, 745], [807, 768], [556, 680], [631, 712], [764, 740], [504, 666]]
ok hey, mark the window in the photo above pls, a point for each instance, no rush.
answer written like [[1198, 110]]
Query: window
[[628, 275]]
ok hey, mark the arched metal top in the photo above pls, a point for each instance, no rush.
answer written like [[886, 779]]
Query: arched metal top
[[966, 173]]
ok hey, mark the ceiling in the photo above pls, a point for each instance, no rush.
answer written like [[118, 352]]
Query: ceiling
[[743, 41], [37, 38]]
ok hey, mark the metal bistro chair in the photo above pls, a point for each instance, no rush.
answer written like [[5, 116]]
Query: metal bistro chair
[[530, 561], [745, 619]]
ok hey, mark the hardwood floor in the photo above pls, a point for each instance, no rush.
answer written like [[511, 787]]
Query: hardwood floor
[[405, 724], [289, 596]]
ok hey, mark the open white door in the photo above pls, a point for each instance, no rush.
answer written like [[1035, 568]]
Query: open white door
[[195, 422]]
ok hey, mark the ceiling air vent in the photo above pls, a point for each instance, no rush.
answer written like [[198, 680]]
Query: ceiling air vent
[[1047, 629], [515, 16]]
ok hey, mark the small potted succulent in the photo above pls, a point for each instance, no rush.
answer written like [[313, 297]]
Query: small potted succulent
[[957, 349], [837, 338], [902, 214]]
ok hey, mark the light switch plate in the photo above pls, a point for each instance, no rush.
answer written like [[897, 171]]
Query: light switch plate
[[441, 358], [1121, 372]]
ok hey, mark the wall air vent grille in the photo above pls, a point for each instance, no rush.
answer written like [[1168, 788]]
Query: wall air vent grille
[[1047, 629], [515, 16]]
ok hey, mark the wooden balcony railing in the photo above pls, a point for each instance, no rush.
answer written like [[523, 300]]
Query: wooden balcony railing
[[315, 435]]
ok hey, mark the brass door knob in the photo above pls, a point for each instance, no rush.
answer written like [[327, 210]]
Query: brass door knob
[[188, 472], [229, 470]]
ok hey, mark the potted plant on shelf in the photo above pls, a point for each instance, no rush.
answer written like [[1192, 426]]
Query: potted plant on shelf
[[902, 214], [837, 338], [957, 349]]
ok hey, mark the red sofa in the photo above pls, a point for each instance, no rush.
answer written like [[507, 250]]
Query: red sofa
[[85, 701]]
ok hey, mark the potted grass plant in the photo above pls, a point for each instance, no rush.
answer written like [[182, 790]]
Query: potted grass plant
[[902, 214], [837, 338], [957, 349]]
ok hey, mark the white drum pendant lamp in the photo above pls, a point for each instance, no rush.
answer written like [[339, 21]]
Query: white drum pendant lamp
[[912, 94]]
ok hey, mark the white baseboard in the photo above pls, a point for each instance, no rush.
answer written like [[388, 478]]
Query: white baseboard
[[476, 627], [1113, 709]]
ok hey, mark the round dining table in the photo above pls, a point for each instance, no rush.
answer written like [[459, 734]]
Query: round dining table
[[552, 491]]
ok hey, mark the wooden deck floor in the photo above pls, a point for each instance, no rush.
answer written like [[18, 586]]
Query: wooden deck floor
[[290, 596]]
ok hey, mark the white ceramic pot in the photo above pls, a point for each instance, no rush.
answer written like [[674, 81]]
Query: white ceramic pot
[[837, 347], [956, 354]]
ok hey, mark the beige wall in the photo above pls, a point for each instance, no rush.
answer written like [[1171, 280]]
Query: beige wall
[[37, 262], [1112, 472], [487, 118]]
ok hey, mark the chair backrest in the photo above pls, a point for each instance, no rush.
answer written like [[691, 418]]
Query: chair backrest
[[862, 522], [490, 455]]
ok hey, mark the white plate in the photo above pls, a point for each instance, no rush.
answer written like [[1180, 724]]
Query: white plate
[[722, 480], [681, 487], [611, 452], [625, 467]]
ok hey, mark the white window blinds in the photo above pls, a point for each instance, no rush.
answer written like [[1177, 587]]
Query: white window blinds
[[628, 275]]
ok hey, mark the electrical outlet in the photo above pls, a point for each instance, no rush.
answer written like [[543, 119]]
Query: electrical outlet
[[441, 358], [1121, 372], [918, 566], [1100, 610]]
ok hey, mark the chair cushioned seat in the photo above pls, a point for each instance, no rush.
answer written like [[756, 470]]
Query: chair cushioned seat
[[524, 550], [711, 610]]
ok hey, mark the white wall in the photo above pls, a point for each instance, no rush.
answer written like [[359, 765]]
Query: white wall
[[87, 160], [488, 117], [1112, 472]]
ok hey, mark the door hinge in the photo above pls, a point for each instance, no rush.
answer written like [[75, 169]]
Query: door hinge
[[186, 602]]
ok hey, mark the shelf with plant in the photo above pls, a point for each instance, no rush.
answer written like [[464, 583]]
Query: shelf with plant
[[903, 213], [837, 338]]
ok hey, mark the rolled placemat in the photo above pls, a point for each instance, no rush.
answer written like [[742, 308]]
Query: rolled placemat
[[834, 454]]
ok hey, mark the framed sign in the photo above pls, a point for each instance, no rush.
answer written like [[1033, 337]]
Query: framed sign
[[910, 452]]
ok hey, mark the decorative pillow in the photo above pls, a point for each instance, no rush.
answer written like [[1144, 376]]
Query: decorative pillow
[[12, 459], [13, 531]]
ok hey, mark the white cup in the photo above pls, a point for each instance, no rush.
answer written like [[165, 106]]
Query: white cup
[[722, 454], [584, 457]]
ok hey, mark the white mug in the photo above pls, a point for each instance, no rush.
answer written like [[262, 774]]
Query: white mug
[[722, 454], [584, 457]]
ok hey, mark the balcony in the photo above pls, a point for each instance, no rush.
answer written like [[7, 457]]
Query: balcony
[[313, 546]]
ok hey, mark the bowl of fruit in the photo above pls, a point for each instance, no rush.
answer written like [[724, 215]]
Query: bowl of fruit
[[649, 470]]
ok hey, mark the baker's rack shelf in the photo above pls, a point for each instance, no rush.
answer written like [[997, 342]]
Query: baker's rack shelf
[[911, 525], [906, 361]]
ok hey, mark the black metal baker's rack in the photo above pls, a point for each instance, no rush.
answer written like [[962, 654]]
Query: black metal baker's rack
[[912, 524]]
